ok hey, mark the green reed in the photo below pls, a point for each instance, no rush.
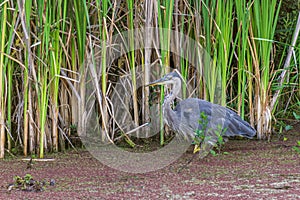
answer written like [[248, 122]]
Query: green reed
[[165, 19], [2, 80], [264, 16]]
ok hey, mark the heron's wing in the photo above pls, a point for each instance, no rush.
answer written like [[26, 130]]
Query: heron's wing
[[232, 122], [189, 112], [239, 127]]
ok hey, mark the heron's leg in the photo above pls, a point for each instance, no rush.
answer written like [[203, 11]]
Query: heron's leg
[[225, 139], [209, 141], [205, 149]]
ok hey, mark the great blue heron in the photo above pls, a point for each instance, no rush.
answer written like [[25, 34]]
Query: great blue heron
[[184, 119]]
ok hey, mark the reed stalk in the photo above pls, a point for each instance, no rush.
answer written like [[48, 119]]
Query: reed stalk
[[242, 51], [264, 16], [25, 9], [131, 56], [11, 18], [56, 59], [3, 86], [44, 54], [214, 13], [165, 19], [149, 9], [208, 10], [104, 35], [10, 70], [224, 31], [80, 12], [43, 105]]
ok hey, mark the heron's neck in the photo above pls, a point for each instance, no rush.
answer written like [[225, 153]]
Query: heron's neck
[[168, 112], [174, 92]]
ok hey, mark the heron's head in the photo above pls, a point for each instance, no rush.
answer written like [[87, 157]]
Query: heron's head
[[172, 78]]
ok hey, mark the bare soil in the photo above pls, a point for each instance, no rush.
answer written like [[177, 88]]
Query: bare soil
[[252, 169]]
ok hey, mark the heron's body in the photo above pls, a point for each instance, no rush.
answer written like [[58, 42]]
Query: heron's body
[[185, 118], [216, 115]]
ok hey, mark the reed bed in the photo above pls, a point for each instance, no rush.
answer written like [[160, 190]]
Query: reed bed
[[44, 72]]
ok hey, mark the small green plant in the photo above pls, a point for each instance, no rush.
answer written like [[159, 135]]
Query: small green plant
[[200, 133], [73, 129], [220, 140], [18, 180], [128, 140], [297, 116], [22, 183], [27, 178], [297, 147], [201, 137], [281, 126], [27, 183]]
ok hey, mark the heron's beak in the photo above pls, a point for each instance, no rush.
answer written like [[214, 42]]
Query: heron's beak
[[157, 82]]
